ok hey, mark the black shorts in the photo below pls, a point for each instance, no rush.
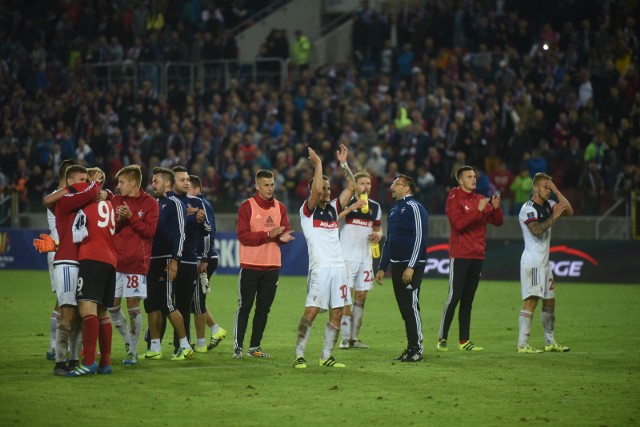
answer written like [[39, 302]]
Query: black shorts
[[96, 282], [199, 303], [159, 288]]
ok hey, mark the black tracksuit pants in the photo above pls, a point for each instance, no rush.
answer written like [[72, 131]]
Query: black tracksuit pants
[[464, 276], [408, 297], [251, 284], [184, 287]]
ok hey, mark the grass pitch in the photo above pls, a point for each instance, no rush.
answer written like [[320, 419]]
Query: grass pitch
[[595, 384]]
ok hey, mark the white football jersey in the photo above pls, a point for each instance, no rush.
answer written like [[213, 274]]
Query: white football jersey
[[320, 228], [354, 235], [53, 231], [536, 248]]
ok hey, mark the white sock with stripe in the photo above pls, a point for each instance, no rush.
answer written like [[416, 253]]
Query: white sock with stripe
[[304, 330], [524, 328], [345, 327], [120, 323], [330, 338], [548, 317], [53, 328]]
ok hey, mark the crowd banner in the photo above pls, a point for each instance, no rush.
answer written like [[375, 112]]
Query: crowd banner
[[601, 261]]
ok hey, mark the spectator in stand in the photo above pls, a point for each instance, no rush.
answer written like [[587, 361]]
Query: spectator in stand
[[591, 187], [595, 151], [301, 50], [521, 188], [502, 179]]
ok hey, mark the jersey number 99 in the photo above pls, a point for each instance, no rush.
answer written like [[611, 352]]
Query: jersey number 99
[[105, 211]]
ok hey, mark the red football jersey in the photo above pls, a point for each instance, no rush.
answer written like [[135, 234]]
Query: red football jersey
[[66, 209], [134, 236], [101, 226]]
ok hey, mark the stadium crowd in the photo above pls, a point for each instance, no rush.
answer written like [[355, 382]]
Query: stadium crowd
[[513, 88]]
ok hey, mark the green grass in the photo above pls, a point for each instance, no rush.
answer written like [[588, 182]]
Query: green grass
[[595, 384]]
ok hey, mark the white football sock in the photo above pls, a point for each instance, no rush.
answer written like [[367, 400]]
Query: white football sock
[[330, 338], [75, 342], [215, 328], [184, 343], [345, 327], [304, 330], [201, 342], [524, 328], [356, 319], [120, 323], [548, 317], [62, 342], [155, 345], [53, 329], [136, 328]]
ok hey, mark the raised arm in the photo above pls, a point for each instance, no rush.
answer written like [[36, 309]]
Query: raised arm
[[568, 210], [316, 188], [538, 228], [350, 188]]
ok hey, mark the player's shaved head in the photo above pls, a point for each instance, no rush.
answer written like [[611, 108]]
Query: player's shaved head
[[167, 174], [263, 173], [195, 181], [64, 165], [74, 169]]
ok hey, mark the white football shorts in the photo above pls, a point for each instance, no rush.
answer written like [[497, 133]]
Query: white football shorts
[[327, 287], [66, 280], [360, 275], [131, 285], [537, 282], [52, 276]]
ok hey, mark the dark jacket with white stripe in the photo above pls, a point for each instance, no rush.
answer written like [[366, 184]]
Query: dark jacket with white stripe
[[168, 242], [406, 234], [206, 244], [193, 230]]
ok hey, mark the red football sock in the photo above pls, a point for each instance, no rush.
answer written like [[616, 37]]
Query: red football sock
[[89, 338], [105, 341]]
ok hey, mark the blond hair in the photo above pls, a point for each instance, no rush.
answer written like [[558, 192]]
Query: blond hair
[[131, 173], [93, 173]]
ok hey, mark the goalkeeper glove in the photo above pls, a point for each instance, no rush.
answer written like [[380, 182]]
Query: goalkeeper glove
[[204, 283], [45, 244]]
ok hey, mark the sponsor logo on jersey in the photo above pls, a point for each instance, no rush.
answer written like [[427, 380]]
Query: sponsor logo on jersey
[[269, 222], [325, 224], [362, 222], [140, 213]]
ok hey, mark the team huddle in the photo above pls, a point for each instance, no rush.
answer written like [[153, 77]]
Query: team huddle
[[159, 249]]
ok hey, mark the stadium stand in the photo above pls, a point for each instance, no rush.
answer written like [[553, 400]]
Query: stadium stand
[[504, 86]]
